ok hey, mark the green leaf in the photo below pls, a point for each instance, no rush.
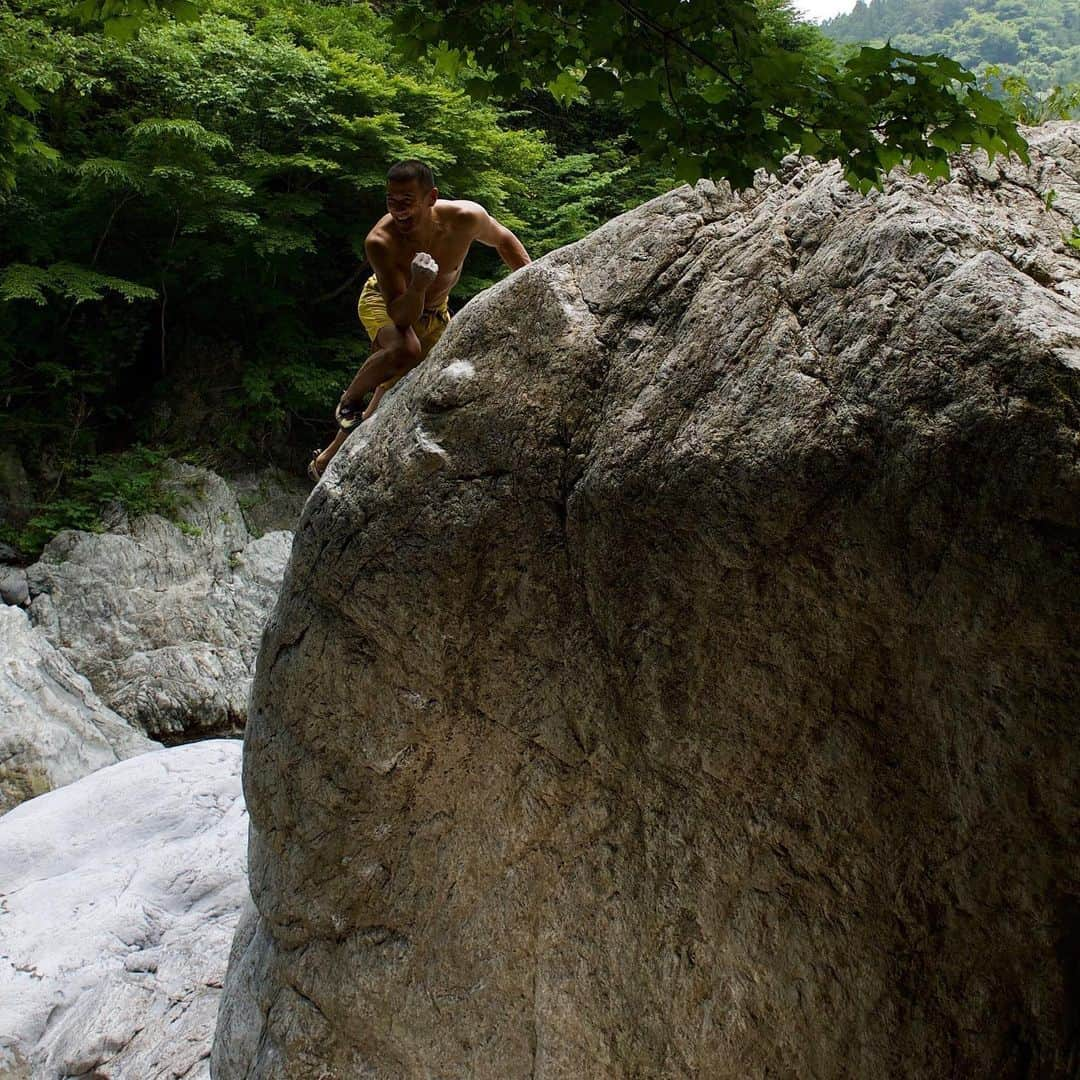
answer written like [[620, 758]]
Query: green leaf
[[639, 91], [27, 101], [111, 173], [933, 168], [448, 61], [123, 27], [478, 89], [183, 130], [600, 83], [652, 117], [715, 92], [506, 85], [688, 169], [565, 89], [184, 10], [21, 282]]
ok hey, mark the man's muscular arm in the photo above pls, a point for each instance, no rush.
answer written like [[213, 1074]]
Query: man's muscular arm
[[404, 299], [490, 232]]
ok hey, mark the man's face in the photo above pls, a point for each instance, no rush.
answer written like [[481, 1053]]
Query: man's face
[[409, 204]]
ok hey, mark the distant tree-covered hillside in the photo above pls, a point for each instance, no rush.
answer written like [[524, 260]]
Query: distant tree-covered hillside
[[1036, 39]]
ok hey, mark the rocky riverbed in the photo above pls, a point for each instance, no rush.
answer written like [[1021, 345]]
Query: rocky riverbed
[[125, 867]]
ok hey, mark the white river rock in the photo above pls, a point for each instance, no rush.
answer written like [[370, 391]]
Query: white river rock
[[165, 617], [53, 727], [119, 895]]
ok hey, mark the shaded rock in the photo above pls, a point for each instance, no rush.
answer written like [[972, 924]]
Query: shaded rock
[[271, 499], [164, 617], [16, 494], [677, 675], [120, 896], [53, 727], [13, 586]]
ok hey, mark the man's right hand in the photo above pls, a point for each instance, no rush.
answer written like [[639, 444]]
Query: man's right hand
[[424, 271]]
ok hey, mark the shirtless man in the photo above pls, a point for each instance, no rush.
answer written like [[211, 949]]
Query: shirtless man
[[417, 251]]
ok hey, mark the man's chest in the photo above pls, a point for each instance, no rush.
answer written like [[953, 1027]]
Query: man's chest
[[448, 252]]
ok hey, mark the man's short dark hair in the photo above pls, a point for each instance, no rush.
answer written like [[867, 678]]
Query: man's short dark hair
[[412, 170]]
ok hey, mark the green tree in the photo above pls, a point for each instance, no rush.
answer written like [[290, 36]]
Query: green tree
[[711, 90], [24, 77], [195, 240], [180, 255]]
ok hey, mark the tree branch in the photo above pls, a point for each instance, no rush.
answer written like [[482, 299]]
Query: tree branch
[[108, 226], [333, 294], [677, 39]]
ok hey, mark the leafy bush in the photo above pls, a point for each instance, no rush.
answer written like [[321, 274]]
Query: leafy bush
[[1028, 105], [94, 490]]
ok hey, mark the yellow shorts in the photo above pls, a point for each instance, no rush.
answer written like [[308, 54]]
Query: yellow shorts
[[371, 307]]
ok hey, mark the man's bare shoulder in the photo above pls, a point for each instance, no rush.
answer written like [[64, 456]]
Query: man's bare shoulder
[[461, 211], [380, 238]]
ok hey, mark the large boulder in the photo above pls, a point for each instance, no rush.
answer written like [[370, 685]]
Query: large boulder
[[118, 901], [677, 676], [53, 727], [164, 617]]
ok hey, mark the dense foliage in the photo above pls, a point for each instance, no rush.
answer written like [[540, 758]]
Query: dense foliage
[[130, 482], [712, 86], [1037, 40], [192, 235]]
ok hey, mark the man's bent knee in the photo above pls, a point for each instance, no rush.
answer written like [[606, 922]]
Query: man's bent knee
[[403, 355], [393, 338]]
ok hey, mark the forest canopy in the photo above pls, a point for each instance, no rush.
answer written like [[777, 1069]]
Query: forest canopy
[[209, 183], [718, 87]]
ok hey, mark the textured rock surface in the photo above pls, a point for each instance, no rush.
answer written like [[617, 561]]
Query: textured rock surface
[[270, 498], [14, 588], [674, 678], [118, 900], [53, 727], [164, 620]]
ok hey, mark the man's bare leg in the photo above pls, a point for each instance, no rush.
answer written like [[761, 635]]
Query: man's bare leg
[[327, 455], [396, 353]]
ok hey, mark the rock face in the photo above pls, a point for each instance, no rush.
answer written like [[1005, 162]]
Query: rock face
[[120, 895], [164, 618], [270, 498], [675, 677], [14, 588], [53, 727]]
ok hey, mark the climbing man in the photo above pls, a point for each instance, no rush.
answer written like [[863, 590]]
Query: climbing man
[[417, 251]]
